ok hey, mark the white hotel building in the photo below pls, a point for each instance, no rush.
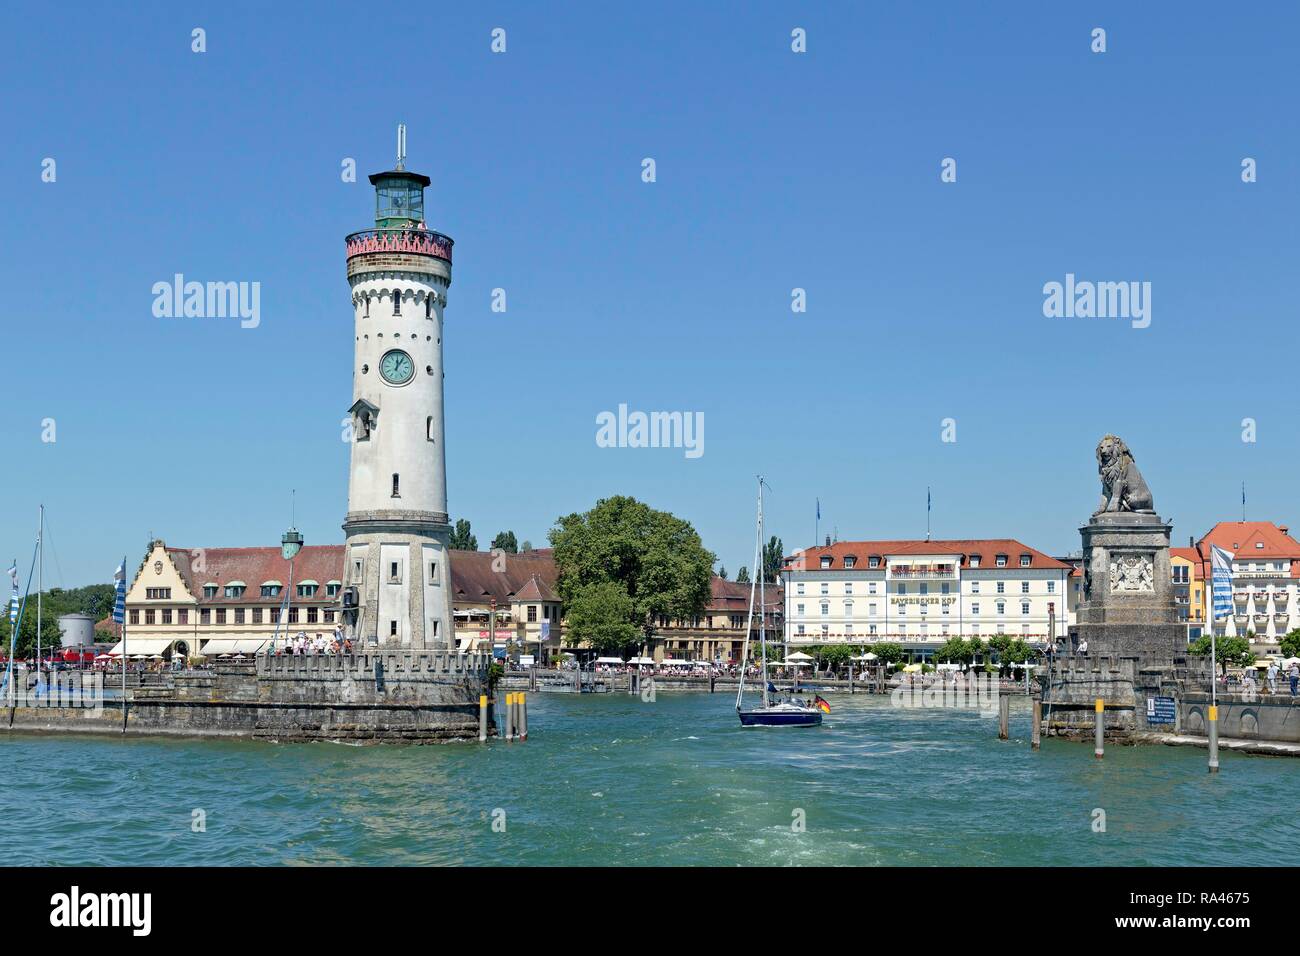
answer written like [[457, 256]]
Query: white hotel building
[[920, 593]]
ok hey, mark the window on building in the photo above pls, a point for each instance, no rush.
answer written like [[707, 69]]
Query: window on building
[[239, 615], [871, 609], [1002, 587], [293, 615], [871, 629], [183, 616], [848, 608], [257, 615], [148, 615], [798, 589], [902, 587], [1024, 608], [397, 302], [850, 561], [392, 628], [826, 630], [1051, 587], [1025, 560], [826, 608], [396, 494], [798, 629], [1024, 587], [873, 562], [209, 590], [221, 615], [313, 615], [925, 589], [205, 615], [974, 587], [394, 575], [234, 590], [332, 589], [974, 560], [158, 594], [270, 590], [848, 630], [1001, 560], [532, 613], [329, 616], [307, 590], [943, 588], [826, 561], [133, 616], [798, 609], [826, 588], [975, 607], [1002, 607], [848, 587], [871, 587]]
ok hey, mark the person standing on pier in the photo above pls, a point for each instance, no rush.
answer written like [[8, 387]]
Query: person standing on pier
[[1294, 674]]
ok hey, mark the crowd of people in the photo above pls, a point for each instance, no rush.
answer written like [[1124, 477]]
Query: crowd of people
[[301, 645]]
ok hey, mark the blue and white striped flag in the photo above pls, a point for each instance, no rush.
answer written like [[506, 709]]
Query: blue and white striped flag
[[13, 601], [119, 599], [1221, 582]]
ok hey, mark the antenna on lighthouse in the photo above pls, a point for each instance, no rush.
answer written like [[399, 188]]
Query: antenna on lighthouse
[[401, 145]]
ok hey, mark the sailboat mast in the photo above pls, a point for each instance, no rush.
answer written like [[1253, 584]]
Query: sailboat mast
[[749, 622], [762, 600], [40, 586]]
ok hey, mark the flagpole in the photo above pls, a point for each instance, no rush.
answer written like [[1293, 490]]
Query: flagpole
[[123, 593]]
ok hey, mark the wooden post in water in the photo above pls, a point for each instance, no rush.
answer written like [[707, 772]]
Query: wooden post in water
[[712, 674], [482, 717], [577, 678], [523, 716], [1036, 731], [1212, 727], [1099, 725], [850, 678], [1004, 715]]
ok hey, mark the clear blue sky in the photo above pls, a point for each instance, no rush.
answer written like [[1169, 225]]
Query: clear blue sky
[[775, 170]]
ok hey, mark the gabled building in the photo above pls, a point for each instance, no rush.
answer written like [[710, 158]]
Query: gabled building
[[921, 593], [1265, 577], [212, 601]]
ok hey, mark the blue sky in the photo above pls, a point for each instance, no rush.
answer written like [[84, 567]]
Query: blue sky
[[774, 170]]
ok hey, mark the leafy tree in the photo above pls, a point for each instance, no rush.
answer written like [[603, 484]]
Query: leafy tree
[[657, 559], [1228, 650], [505, 540], [526, 546], [888, 653], [975, 647], [742, 577], [722, 572], [955, 651], [772, 555], [461, 537], [834, 655], [1291, 644], [95, 600], [600, 615]]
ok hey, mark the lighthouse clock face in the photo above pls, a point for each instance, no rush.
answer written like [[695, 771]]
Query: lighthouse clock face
[[396, 367]]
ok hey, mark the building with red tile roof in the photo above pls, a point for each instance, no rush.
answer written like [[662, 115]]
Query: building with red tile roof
[[920, 593], [1265, 578]]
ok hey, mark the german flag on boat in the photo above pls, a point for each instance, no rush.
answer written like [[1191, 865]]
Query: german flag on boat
[[820, 702]]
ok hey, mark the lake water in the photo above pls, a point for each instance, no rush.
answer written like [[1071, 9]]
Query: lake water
[[609, 779]]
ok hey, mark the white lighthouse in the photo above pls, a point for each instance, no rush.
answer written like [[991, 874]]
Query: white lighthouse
[[397, 578]]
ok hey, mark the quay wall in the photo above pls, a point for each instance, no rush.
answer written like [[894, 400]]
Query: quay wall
[[376, 697]]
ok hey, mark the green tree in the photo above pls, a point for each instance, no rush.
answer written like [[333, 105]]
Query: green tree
[[742, 577], [1234, 651], [526, 546], [976, 648], [657, 559], [772, 555], [462, 539], [505, 540], [954, 651], [722, 572], [1290, 644], [834, 655], [95, 600], [600, 615], [888, 653]]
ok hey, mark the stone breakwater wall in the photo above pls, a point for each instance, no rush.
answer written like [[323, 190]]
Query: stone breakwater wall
[[373, 697]]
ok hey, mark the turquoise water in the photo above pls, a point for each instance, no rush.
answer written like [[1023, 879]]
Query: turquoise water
[[612, 780]]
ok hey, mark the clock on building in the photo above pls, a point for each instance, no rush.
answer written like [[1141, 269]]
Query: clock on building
[[396, 367]]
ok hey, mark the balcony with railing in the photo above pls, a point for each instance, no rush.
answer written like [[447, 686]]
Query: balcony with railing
[[420, 242], [922, 571]]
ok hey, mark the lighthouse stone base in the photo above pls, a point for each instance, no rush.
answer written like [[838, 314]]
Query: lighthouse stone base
[[398, 567]]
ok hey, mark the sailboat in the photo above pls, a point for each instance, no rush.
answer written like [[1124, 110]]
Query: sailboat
[[776, 711]]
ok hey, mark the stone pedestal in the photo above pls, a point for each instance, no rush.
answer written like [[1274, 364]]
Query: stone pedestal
[[1127, 608]]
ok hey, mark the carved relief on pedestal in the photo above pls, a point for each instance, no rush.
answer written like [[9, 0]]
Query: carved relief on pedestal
[[1132, 573]]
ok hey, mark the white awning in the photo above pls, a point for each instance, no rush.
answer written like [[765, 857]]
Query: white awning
[[640, 660], [141, 645], [233, 645], [609, 660]]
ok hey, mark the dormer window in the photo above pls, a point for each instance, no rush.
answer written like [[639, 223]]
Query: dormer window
[[974, 560], [1002, 560], [235, 589], [271, 589], [850, 561], [210, 590], [873, 562], [307, 589], [333, 588], [826, 561], [1025, 560]]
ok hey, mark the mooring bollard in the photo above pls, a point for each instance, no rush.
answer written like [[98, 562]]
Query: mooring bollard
[[510, 716], [1099, 724], [1036, 731], [523, 716], [850, 678], [1004, 715], [1212, 725], [482, 717]]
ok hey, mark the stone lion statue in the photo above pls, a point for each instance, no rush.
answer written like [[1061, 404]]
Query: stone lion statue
[[1122, 487]]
